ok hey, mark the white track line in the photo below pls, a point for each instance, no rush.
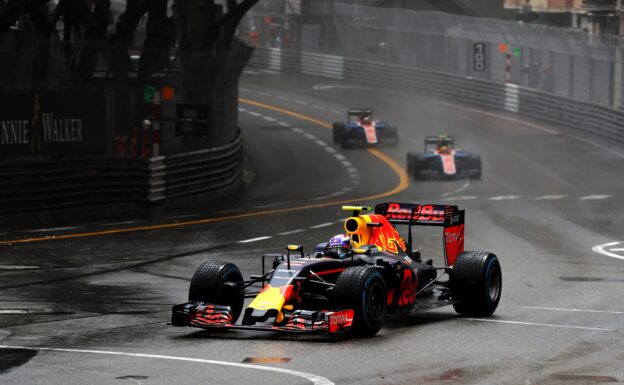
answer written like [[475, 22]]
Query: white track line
[[505, 198], [284, 124], [254, 113], [18, 267], [595, 197], [184, 216], [322, 225], [256, 239], [297, 130], [571, 310], [538, 324], [291, 232], [462, 198], [51, 229], [618, 154], [269, 119], [532, 125], [313, 378], [600, 249], [462, 188], [120, 223], [550, 197]]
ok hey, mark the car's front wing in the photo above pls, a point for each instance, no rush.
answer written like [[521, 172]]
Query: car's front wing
[[209, 316]]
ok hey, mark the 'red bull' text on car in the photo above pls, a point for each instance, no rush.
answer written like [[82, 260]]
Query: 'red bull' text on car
[[350, 284]]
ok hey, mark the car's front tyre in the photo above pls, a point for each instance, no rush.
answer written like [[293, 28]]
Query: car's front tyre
[[362, 288], [209, 285]]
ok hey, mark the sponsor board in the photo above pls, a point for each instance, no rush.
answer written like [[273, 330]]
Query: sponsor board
[[60, 123]]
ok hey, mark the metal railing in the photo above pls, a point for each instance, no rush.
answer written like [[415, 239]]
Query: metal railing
[[565, 112], [566, 62], [36, 184]]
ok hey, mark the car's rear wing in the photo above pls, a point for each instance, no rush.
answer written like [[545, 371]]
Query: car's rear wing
[[448, 216], [434, 141], [357, 112]]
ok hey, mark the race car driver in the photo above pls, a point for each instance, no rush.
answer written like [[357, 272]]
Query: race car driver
[[443, 148], [339, 246]]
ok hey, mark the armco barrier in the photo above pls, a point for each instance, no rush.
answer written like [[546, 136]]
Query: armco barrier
[[590, 118], [37, 184], [30, 185], [198, 171]]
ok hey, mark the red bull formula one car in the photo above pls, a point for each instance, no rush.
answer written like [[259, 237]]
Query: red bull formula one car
[[361, 130], [441, 160], [338, 290]]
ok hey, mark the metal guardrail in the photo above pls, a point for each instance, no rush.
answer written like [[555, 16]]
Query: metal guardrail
[[33, 184], [197, 172], [36, 184], [592, 118]]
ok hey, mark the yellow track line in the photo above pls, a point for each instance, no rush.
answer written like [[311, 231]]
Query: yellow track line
[[403, 184]]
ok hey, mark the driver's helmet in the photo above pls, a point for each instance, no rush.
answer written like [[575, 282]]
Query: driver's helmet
[[339, 245], [365, 118], [443, 148]]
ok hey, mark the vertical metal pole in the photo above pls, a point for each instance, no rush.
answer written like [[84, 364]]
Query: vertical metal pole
[[508, 66], [571, 77], [617, 76], [591, 79]]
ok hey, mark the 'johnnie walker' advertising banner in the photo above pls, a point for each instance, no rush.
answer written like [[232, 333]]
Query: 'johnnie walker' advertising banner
[[57, 123]]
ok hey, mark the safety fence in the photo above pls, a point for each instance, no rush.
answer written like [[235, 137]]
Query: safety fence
[[567, 62], [36, 184], [566, 112]]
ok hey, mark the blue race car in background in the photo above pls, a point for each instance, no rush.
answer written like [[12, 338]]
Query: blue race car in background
[[441, 160], [361, 130]]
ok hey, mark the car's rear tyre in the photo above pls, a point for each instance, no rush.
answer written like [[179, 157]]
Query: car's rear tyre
[[476, 283], [362, 288], [338, 132], [476, 164], [208, 285], [415, 163], [393, 137]]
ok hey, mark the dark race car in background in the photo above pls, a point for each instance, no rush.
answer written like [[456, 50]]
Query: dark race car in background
[[361, 130], [441, 160], [334, 294]]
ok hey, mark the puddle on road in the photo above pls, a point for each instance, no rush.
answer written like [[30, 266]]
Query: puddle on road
[[591, 279], [13, 358], [584, 379]]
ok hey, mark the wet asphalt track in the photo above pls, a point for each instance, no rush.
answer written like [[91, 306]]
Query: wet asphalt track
[[545, 200]]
